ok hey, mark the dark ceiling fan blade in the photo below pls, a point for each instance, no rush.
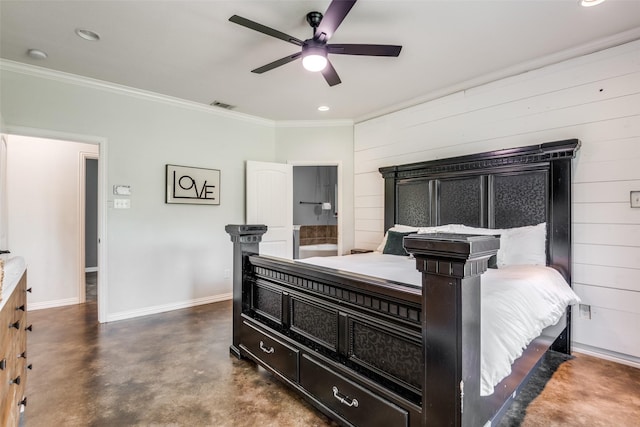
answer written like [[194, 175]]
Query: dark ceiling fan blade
[[330, 75], [276, 64], [265, 30], [332, 19], [364, 49]]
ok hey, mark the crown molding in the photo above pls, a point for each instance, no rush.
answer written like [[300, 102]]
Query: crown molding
[[74, 79], [312, 123]]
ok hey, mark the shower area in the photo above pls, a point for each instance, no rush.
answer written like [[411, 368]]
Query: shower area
[[315, 211]]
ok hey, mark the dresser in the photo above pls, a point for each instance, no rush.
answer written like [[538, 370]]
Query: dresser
[[13, 352]]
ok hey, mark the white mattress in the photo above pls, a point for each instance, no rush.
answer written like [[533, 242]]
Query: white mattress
[[518, 302]]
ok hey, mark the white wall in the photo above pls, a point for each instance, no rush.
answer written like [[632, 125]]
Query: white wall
[[595, 98], [159, 256], [322, 143], [3, 187], [45, 208]]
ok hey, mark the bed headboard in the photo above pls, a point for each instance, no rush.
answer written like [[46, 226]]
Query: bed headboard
[[497, 189]]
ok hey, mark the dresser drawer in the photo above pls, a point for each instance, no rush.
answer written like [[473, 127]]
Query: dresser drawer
[[272, 351], [356, 404]]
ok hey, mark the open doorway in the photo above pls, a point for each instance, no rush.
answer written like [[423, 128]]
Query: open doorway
[[270, 201], [315, 210], [46, 213]]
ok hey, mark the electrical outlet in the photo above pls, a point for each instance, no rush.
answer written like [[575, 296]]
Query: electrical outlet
[[635, 199], [227, 273], [585, 311]]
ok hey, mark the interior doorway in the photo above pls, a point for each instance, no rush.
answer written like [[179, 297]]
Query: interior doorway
[[47, 224], [324, 186], [315, 210]]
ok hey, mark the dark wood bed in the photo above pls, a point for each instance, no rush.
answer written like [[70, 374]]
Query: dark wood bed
[[373, 352]]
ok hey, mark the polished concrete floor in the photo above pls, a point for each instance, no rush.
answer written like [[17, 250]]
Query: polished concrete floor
[[174, 369]]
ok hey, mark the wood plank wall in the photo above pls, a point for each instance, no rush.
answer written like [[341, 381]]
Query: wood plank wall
[[595, 98]]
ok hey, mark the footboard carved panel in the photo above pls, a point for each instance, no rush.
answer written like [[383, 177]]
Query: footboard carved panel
[[317, 323], [386, 352]]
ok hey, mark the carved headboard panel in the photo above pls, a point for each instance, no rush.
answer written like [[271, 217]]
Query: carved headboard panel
[[498, 189]]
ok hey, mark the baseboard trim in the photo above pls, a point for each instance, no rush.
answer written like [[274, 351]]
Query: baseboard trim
[[52, 304], [123, 315], [611, 356]]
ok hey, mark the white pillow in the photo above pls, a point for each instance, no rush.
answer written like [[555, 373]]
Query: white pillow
[[524, 245], [518, 246], [400, 229], [437, 229]]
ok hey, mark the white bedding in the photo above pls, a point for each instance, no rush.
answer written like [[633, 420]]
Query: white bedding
[[518, 302]]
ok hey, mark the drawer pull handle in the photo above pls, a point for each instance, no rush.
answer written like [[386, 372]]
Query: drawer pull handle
[[343, 399], [15, 381], [15, 325], [20, 308], [265, 349], [3, 364]]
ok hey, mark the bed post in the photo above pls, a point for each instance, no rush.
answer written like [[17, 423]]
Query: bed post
[[451, 265], [246, 241]]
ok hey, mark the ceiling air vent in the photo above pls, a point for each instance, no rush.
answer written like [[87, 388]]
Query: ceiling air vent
[[222, 105]]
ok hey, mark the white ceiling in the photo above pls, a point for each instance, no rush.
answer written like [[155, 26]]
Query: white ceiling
[[189, 49]]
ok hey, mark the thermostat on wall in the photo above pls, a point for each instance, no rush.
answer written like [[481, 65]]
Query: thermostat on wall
[[122, 190]]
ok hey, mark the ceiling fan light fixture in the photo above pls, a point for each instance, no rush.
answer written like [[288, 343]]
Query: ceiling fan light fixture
[[314, 58]]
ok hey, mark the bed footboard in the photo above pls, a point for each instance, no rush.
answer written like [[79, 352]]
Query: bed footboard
[[352, 345]]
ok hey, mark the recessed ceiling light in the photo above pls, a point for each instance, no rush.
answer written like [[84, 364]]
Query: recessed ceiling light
[[87, 34], [323, 108], [37, 54], [589, 3]]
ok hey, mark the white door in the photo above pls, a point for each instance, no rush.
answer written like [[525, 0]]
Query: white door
[[270, 202]]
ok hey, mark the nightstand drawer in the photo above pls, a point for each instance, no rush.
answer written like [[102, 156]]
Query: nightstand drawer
[[273, 352], [356, 404]]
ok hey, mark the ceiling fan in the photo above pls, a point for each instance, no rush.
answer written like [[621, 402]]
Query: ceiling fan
[[315, 50]]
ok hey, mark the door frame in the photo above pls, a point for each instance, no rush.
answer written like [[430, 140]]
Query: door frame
[[337, 163], [102, 205]]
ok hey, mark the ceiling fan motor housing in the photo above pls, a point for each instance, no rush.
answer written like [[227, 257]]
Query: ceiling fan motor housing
[[314, 18]]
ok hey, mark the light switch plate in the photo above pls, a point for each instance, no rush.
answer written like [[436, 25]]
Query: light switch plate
[[121, 203], [635, 199]]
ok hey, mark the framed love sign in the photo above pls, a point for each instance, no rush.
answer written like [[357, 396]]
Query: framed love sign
[[191, 185]]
